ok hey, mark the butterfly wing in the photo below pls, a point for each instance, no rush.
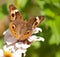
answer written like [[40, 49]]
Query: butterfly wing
[[13, 13], [17, 25], [19, 28], [34, 22], [31, 24]]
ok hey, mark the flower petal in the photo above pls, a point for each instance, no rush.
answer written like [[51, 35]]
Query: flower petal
[[25, 46], [36, 30], [41, 39], [1, 53], [32, 38], [18, 53], [8, 38], [6, 48], [35, 38], [18, 45]]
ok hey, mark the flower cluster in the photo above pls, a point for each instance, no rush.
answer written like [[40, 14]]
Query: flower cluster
[[14, 47]]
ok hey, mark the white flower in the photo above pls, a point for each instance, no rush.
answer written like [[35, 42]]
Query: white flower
[[22, 45], [36, 30], [32, 38], [5, 53], [18, 53], [35, 38], [8, 38], [25, 46], [1, 53], [41, 39], [16, 47], [5, 48]]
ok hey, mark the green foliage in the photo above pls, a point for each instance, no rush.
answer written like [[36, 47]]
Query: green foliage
[[3, 10], [21, 3], [58, 54], [1, 43]]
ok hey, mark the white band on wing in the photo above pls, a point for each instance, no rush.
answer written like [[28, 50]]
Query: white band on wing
[[14, 11], [37, 19]]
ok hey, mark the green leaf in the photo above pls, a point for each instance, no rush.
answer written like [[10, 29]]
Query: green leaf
[[1, 13], [3, 10], [36, 45], [40, 3], [50, 13], [55, 0], [21, 3], [55, 38], [58, 54], [1, 43]]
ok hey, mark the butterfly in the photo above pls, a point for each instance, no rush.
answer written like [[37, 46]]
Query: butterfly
[[20, 28]]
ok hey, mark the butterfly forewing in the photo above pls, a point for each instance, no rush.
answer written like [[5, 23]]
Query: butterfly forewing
[[13, 13], [34, 22]]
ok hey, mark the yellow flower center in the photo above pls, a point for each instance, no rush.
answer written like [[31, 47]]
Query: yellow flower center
[[7, 54]]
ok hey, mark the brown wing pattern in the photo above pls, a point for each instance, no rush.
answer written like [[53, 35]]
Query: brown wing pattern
[[34, 22], [20, 28], [13, 12]]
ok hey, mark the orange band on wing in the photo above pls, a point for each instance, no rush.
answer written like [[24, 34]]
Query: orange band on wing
[[25, 36], [13, 32]]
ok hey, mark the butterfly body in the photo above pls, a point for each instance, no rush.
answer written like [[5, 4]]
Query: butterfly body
[[20, 28]]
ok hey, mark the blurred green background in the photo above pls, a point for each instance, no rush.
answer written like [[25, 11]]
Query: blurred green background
[[50, 26]]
